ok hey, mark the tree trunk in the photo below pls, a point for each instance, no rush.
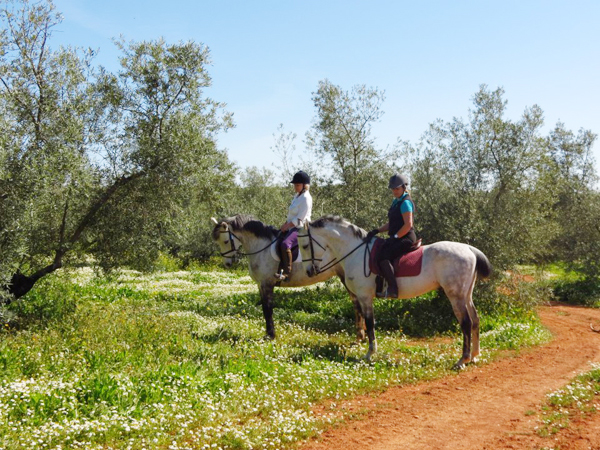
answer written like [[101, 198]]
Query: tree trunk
[[20, 284]]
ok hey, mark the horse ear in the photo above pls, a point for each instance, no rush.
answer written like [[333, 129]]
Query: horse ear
[[213, 220], [224, 226]]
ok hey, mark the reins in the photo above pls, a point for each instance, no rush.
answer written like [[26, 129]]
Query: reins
[[312, 249], [334, 261], [329, 265], [237, 250]]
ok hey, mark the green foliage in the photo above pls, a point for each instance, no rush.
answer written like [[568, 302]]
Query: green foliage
[[260, 196], [577, 205], [584, 292], [475, 182], [572, 286], [101, 164], [47, 120], [504, 188], [355, 186]]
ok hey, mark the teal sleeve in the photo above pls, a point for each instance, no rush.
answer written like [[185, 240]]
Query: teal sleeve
[[406, 206]]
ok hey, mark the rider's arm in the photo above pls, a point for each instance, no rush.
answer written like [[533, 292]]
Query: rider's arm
[[408, 224], [286, 226], [384, 228]]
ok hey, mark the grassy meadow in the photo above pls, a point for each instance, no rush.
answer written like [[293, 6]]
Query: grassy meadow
[[177, 359]]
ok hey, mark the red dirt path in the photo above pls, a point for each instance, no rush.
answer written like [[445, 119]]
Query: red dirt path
[[489, 407]]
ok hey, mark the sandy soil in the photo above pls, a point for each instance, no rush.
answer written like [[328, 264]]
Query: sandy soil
[[491, 407]]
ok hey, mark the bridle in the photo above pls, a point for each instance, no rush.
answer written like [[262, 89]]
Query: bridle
[[231, 236], [237, 251]]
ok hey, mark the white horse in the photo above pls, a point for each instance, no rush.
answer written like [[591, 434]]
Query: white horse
[[257, 238], [450, 265]]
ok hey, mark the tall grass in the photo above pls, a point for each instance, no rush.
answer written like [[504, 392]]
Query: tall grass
[[178, 359]]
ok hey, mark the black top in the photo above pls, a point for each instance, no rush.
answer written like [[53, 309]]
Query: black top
[[395, 218]]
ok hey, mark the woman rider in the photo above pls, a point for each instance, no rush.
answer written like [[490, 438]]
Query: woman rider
[[401, 233], [298, 213]]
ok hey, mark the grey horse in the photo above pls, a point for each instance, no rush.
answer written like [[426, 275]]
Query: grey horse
[[450, 265], [256, 238]]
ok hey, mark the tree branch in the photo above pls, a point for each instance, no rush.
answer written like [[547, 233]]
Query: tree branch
[[88, 218]]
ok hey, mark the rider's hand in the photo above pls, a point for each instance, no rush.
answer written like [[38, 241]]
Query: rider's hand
[[371, 234]]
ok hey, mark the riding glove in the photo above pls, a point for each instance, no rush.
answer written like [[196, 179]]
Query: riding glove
[[371, 234]]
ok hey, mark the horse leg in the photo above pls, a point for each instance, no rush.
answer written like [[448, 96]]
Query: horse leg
[[359, 319], [266, 298], [475, 350], [366, 304], [459, 306]]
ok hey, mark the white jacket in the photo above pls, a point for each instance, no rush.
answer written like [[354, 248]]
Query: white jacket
[[300, 209]]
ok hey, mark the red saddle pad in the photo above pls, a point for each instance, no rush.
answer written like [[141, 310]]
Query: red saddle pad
[[408, 265]]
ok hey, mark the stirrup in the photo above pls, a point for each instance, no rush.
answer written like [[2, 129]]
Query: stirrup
[[281, 276], [382, 294], [381, 290], [385, 294]]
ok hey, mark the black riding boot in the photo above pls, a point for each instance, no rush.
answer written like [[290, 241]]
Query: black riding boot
[[387, 270], [285, 265]]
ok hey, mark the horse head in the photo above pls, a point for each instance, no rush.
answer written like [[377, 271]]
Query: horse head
[[227, 241]]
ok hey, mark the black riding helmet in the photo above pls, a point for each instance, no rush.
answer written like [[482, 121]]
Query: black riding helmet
[[300, 178], [397, 180]]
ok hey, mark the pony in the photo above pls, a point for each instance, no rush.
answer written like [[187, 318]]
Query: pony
[[256, 238], [452, 266]]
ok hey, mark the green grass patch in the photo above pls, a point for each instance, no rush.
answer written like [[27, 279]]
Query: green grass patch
[[178, 359], [577, 398]]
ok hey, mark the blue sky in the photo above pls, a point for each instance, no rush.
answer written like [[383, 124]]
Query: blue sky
[[428, 56]]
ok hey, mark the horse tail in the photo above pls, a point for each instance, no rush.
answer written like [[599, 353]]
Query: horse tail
[[483, 266]]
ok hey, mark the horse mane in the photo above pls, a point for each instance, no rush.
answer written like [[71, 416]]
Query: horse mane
[[246, 222], [322, 221]]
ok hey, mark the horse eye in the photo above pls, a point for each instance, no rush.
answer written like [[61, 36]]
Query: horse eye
[[226, 242], [305, 246]]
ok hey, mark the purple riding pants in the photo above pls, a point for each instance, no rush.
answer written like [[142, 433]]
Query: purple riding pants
[[290, 240]]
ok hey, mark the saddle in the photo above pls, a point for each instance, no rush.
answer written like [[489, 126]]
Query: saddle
[[276, 252], [407, 265]]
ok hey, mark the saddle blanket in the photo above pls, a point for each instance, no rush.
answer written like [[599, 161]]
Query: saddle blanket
[[297, 257], [408, 265]]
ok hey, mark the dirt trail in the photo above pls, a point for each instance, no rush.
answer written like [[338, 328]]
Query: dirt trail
[[487, 407]]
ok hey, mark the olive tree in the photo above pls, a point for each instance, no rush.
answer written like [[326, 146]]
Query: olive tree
[[47, 121], [97, 164], [571, 181], [477, 181], [342, 140]]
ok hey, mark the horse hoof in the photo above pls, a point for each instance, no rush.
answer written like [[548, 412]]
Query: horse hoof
[[461, 363]]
